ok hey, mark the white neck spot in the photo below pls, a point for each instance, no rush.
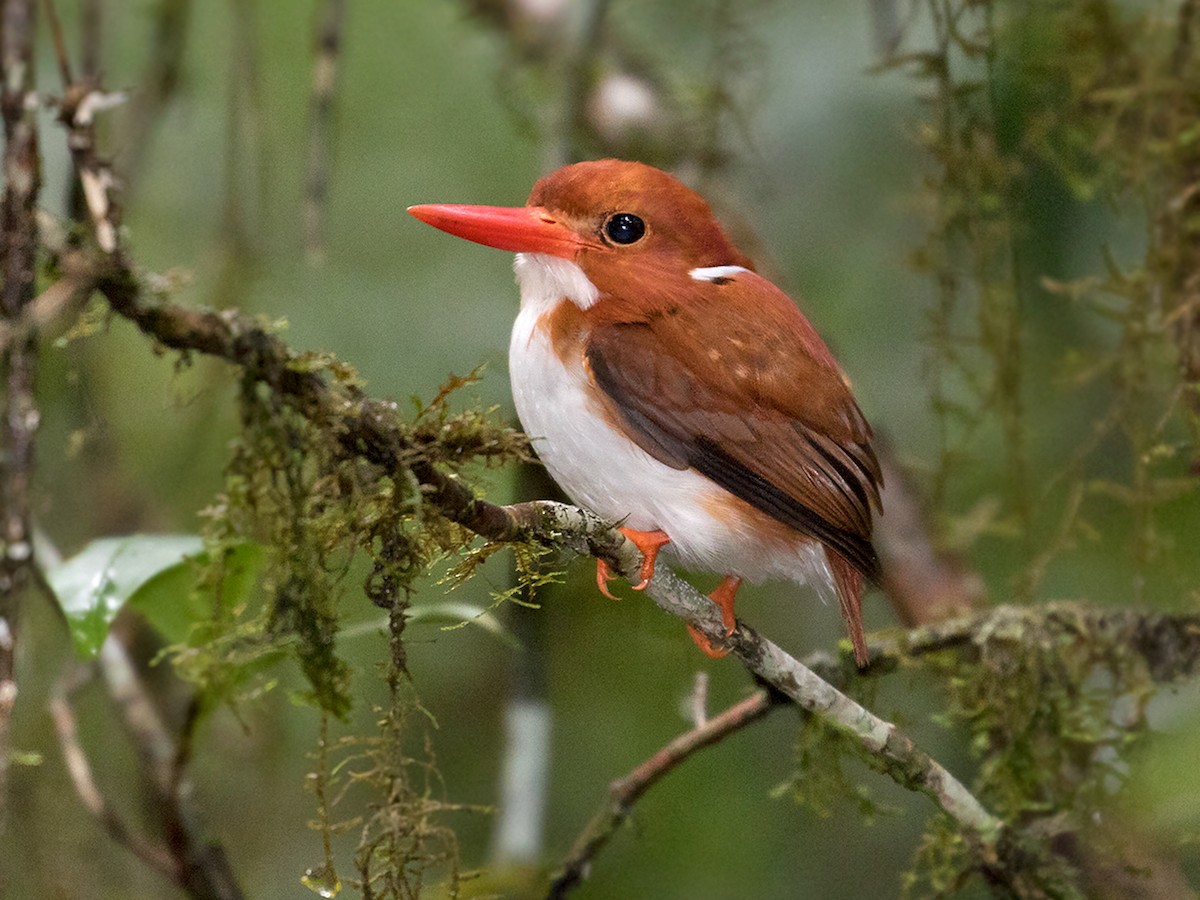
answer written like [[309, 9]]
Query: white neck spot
[[716, 273], [545, 280]]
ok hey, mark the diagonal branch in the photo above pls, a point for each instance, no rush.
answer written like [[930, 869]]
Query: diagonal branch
[[363, 428], [201, 868], [198, 867], [372, 429], [625, 792], [80, 771]]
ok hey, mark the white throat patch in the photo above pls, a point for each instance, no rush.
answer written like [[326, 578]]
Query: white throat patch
[[544, 280]]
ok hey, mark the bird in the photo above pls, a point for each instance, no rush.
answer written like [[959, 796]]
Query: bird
[[670, 388]]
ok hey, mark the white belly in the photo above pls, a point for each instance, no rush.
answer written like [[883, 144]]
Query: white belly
[[601, 469]]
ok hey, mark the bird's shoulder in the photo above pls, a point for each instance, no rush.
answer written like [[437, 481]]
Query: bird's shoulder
[[736, 346]]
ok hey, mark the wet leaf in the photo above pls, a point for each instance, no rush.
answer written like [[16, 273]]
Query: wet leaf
[[154, 572]]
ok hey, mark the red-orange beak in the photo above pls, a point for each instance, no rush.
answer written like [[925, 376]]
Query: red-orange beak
[[521, 229]]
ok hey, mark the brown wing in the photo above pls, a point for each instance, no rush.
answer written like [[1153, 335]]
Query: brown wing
[[737, 385]]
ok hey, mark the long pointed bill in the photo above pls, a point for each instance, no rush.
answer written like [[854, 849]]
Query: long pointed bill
[[521, 229]]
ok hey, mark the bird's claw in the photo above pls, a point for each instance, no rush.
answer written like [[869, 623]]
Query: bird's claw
[[723, 597], [705, 645], [603, 577], [649, 543]]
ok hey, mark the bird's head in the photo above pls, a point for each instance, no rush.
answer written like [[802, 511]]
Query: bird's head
[[636, 233]]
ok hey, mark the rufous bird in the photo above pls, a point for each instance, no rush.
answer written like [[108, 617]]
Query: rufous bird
[[668, 387]]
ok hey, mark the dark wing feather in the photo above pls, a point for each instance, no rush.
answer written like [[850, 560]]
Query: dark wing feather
[[757, 405]]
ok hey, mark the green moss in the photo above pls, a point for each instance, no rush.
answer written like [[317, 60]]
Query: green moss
[[821, 781], [298, 488], [1033, 109], [1052, 699], [1036, 115], [293, 486]]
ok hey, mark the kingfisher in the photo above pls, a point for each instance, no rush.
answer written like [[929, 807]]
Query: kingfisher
[[669, 387]]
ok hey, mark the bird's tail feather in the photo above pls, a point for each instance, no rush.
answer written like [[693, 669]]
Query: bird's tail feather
[[849, 583]]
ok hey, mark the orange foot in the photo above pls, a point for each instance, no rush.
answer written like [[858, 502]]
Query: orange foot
[[723, 596], [649, 542]]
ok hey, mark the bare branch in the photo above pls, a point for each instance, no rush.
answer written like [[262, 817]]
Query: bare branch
[[60, 43], [201, 867], [57, 302], [81, 102], [80, 105], [80, 770], [895, 753], [625, 792]]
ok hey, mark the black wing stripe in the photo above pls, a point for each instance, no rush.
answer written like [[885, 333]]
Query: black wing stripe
[[709, 460], [841, 463]]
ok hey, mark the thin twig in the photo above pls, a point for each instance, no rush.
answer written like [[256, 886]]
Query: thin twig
[[82, 101], [80, 771], [324, 86], [625, 792], [201, 867], [59, 301], [60, 43]]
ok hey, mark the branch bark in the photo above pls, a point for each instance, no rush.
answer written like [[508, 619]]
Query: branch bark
[[199, 867], [370, 429], [625, 792], [361, 423], [80, 771], [18, 359]]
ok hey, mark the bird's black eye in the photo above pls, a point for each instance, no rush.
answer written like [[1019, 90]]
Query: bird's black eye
[[624, 228]]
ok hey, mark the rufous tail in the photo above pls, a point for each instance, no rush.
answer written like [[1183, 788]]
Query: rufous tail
[[849, 583]]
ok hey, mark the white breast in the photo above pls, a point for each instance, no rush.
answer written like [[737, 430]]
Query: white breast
[[601, 469]]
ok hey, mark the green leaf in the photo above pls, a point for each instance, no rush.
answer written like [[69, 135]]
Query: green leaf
[[94, 585], [172, 601], [154, 572]]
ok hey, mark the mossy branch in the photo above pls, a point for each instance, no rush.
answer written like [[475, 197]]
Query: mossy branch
[[373, 429]]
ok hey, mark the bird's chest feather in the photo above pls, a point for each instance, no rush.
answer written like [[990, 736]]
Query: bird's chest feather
[[575, 435]]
